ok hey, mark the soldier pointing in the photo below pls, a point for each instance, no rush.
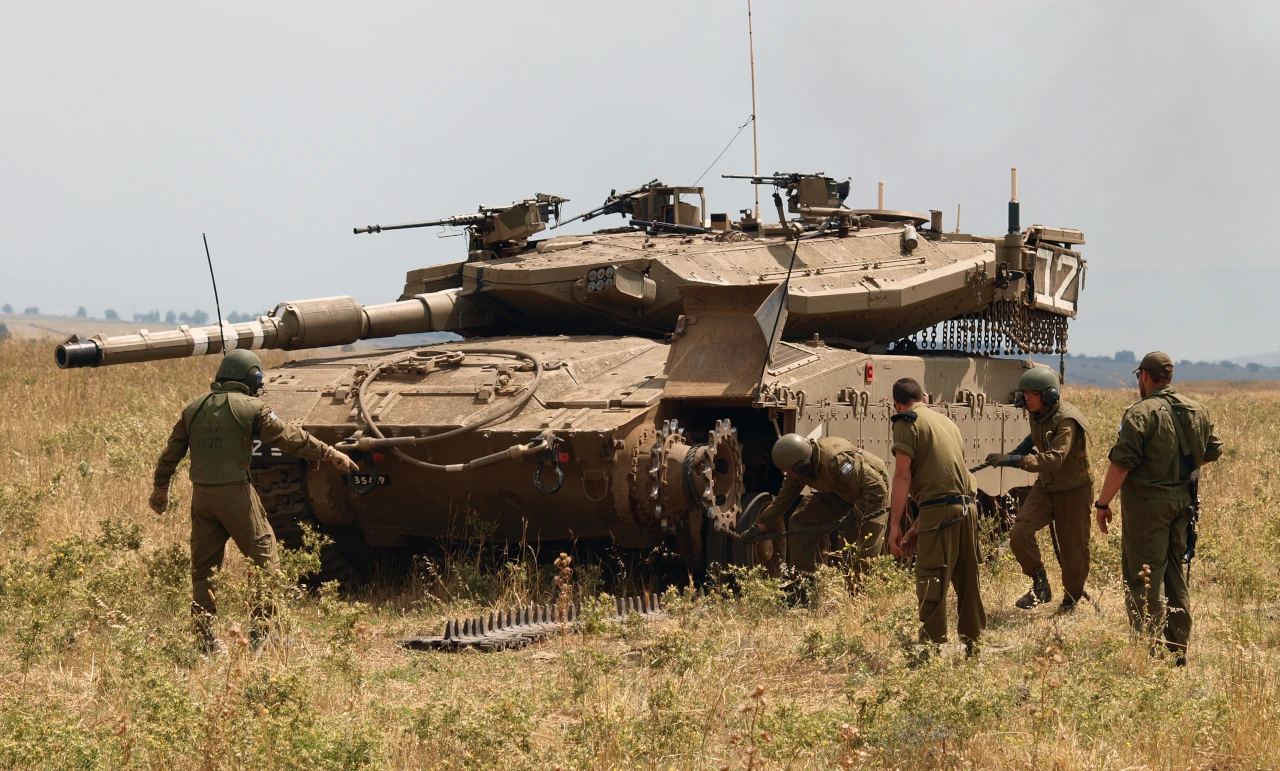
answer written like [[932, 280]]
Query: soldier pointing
[[218, 429], [1057, 450], [850, 490]]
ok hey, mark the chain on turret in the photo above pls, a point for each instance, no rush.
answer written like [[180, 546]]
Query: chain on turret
[[1004, 328]]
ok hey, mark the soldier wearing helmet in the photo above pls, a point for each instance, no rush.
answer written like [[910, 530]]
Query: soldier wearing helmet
[[218, 429], [843, 480], [1057, 450]]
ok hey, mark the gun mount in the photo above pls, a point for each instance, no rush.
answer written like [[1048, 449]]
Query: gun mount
[[803, 191], [493, 231], [651, 202]]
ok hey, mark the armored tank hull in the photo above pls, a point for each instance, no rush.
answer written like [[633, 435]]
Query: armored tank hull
[[629, 384]]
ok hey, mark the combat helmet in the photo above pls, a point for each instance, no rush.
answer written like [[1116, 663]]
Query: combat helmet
[[241, 366], [1041, 379], [791, 449]]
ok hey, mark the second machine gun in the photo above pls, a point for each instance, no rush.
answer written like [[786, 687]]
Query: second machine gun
[[494, 231]]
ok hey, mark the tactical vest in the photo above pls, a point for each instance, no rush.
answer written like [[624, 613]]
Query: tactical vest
[[830, 480], [1076, 470], [220, 435]]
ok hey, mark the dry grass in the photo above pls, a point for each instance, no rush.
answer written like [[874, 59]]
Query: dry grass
[[98, 669]]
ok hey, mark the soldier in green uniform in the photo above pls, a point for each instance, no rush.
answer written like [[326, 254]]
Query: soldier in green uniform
[[219, 428], [1057, 450], [844, 480], [1164, 440], [929, 467]]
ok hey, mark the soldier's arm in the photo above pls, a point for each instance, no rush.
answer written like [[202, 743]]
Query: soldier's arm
[[287, 438], [173, 454], [1053, 458], [1026, 447], [1213, 447], [1128, 449], [786, 498]]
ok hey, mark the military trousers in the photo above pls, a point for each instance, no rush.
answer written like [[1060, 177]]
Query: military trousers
[[1071, 513], [947, 556], [867, 539], [219, 512], [1153, 540]]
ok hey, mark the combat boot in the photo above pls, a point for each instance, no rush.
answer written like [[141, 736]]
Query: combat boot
[[1039, 593]]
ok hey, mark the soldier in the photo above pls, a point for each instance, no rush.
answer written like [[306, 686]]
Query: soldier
[[1057, 449], [929, 466], [847, 483], [1155, 465], [219, 429]]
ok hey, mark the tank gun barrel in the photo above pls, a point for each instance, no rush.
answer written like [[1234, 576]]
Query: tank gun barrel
[[291, 326], [461, 220]]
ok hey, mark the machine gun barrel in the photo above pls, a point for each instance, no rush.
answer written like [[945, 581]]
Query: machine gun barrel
[[291, 326], [458, 221], [614, 204], [669, 227], [765, 179]]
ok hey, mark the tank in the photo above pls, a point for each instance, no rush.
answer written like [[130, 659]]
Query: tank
[[628, 384]]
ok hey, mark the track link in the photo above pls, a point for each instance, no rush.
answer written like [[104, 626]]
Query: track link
[[284, 496]]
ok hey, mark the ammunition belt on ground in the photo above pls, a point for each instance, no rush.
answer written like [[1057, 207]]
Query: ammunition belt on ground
[[518, 627]]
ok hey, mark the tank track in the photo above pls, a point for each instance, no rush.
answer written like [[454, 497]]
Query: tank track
[[516, 628], [283, 492]]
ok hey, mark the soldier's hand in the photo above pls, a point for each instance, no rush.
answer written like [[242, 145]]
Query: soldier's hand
[[159, 500], [1104, 518], [908, 544], [340, 461], [1004, 460]]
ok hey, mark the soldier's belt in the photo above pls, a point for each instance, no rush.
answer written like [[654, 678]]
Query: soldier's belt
[[948, 500]]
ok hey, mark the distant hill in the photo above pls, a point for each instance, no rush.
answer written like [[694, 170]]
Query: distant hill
[[1271, 359], [1106, 372]]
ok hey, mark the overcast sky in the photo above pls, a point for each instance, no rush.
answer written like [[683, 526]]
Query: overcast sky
[[130, 128]]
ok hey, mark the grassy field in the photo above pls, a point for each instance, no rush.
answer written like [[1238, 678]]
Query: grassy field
[[98, 667]]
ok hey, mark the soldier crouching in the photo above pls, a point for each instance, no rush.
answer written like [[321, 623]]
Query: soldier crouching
[[850, 489]]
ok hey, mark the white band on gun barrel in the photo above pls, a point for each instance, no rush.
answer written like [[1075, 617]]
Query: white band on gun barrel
[[199, 341], [230, 337], [258, 334]]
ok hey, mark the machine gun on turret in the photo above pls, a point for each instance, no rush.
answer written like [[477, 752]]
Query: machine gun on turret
[[651, 202], [803, 191], [494, 230]]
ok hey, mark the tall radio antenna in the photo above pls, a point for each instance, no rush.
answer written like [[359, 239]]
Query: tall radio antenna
[[755, 140], [217, 306]]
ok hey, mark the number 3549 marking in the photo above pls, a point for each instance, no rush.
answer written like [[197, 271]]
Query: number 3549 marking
[[366, 480]]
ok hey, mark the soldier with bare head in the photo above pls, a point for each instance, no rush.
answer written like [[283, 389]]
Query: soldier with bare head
[[929, 469], [219, 429]]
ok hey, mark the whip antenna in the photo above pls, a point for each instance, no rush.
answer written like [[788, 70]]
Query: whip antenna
[[217, 306], [755, 139]]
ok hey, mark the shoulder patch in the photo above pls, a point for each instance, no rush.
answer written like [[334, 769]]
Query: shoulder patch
[[846, 468], [909, 416]]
